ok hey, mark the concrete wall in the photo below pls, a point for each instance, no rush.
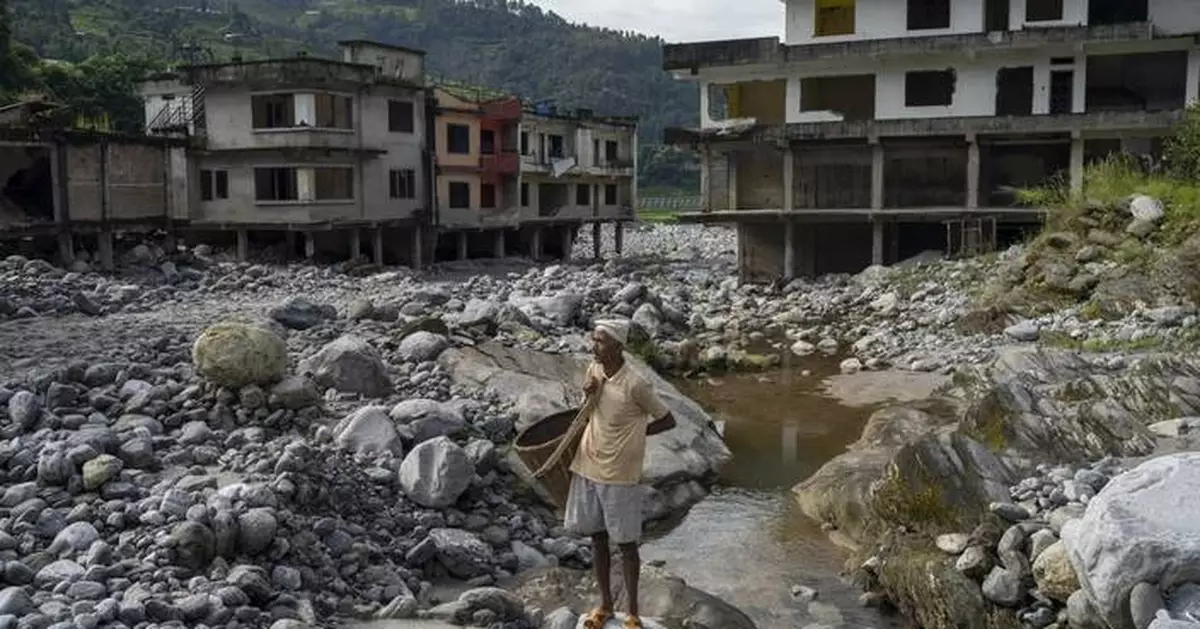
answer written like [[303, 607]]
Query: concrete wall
[[760, 179], [879, 19], [449, 116], [117, 182], [243, 207], [394, 63], [405, 151], [597, 206]]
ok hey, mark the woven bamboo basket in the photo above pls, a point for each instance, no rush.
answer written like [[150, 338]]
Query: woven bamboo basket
[[537, 444]]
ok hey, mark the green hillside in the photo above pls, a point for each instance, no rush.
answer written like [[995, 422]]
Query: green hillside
[[508, 45]]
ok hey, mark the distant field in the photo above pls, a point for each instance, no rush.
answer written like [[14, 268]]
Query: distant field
[[663, 209]]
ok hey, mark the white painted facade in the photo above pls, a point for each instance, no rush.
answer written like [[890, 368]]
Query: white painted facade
[[976, 72], [884, 19]]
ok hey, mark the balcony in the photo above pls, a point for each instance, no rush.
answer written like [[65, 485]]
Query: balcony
[[770, 51], [500, 164], [612, 168]]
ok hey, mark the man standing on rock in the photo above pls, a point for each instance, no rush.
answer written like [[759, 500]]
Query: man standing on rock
[[605, 499]]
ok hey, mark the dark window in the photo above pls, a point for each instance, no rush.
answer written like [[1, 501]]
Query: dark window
[[524, 195], [926, 15], [403, 184], [930, 88], [273, 111], [1062, 92], [1062, 61], [334, 111], [487, 141], [610, 194], [401, 116], [458, 139], [460, 194], [1043, 10], [524, 143], [333, 183], [610, 151], [557, 146], [583, 194], [487, 195], [222, 184], [275, 184], [206, 185]]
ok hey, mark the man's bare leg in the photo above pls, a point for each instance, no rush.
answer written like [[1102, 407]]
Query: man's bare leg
[[602, 558], [631, 565]]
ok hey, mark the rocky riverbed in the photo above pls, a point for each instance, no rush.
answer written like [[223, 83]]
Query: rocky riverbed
[[203, 442]]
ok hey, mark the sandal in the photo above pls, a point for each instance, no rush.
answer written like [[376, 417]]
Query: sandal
[[596, 619], [633, 622]]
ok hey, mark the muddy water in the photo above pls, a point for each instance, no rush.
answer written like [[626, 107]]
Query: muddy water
[[748, 543]]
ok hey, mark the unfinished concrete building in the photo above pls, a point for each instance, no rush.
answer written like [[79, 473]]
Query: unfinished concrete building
[[577, 168], [882, 128], [330, 156]]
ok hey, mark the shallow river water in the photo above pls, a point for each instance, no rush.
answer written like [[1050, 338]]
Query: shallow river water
[[748, 543]]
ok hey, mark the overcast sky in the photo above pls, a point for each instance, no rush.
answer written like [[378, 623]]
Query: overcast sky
[[677, 20]]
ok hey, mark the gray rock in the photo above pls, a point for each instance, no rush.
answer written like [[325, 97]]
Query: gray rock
[[299, 313], [294, 393], [953, 543], [195, 544], [1009, 511], [256, 530], [422, 346], [561, 618], [1144, 603], [462, 554], [1081, 612], [1003, 587], [350, 365], [974, 562], [15, 602], [1138, 530], [436, 473], [504, 604], [368, 430], [1024, 331], [24, 410], [428, 419]]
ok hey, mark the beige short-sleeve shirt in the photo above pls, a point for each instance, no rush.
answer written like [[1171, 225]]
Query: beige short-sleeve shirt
[[614, 443]]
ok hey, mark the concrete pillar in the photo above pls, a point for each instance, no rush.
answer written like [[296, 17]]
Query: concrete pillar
[[568, 242], [535, 245], [498, 248], [619, 237], [1079, 89], [1076, 168], [377, 244], [1192, 89], [972, 173], [789, 174], [705, 179], [731, 178], [789, 250], [310, 246], [355, 243], [877, 163], [418, 244], [877, 241], [462, 240], [598, 233], [66, 248], [1041, 89], [104, 249], [243, 245]]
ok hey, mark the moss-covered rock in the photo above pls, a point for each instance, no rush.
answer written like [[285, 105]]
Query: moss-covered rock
[[234, 355], [922, 584]]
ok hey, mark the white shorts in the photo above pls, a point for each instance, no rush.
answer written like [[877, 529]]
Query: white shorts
[[599, 507]]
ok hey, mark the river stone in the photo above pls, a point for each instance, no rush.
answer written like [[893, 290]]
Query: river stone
[[502, 603], [953, 543], [1025, 331], [368, 430], [256, 530], [1081, 612], [436, 473], [24, 409], [234, 355], [428, 419], [349, 364], [1003, 587], [294, 393], [1054, 574], [561, 618], [975, 562], [1138, 529], [1145, 208], [100, 470], [299, 313], [422, 346], [463, 554], [14, 601], [1144, 602]]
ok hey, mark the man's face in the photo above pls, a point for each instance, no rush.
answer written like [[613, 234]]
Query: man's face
[[603, 346]]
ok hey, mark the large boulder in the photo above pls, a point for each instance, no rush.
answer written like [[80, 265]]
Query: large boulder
[[350, 365], [299, 313], [676, 462], [421, 346], [427, 419], [1143, 526], [436, 473], [661, 595], [234, 355]]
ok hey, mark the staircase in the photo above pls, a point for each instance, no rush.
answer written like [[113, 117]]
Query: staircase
[[180, 117]]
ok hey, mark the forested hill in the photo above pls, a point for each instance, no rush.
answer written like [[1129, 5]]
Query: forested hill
[[509, 45]]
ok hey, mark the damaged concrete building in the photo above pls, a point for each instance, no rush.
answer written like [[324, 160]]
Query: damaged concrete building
[[879, 129]]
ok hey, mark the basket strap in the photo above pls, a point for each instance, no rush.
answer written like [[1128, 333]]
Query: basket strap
[[577, 425]]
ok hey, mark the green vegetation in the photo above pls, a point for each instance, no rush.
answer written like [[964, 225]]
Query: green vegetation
[[506, 45], [920, 506]]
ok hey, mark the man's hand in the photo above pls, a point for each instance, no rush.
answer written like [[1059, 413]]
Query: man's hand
[[591, 386], [661, 425]]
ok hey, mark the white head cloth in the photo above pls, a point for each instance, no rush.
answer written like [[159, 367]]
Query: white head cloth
[[616, 329]]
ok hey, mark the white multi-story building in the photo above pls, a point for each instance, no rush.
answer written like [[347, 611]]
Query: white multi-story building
[[881, 128]]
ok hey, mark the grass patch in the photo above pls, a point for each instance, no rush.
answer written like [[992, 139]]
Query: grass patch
[[918, 506], [1099, 346], [658, 216]]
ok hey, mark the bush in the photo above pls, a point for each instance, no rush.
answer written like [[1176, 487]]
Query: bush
[[1182, 151]]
